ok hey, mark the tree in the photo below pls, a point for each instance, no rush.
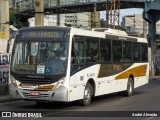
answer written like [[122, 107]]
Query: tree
[[15, 20]]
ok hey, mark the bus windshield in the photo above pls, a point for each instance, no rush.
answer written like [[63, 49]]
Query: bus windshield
[[40, 58]]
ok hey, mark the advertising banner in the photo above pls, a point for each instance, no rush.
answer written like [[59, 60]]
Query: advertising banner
[[4, 72]]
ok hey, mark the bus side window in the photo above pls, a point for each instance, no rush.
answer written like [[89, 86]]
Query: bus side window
[[144, 52], [136, 51], [105, 50], [92, 49], [117, 50], [127, 51], [77, 54]]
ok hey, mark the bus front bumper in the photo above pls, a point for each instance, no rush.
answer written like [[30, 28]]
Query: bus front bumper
[[60, 94]]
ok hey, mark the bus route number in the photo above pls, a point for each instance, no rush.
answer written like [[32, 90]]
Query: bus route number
[[90, 74], [4, 77]]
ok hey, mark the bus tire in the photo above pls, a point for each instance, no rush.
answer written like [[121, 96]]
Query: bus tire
[[88, 93], [130, 88]]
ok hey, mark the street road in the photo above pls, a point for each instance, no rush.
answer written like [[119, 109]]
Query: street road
[[145, 98]]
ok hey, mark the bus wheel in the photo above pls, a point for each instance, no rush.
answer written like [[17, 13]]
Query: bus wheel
[[130, 87], [88, 92]]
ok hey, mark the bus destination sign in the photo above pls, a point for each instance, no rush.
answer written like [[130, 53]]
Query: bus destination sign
[[42, 34]]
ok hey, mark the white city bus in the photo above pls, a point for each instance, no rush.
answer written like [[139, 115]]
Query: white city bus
[[68, 64]]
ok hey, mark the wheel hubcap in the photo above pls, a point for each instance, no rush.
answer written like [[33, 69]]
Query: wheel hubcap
[[87, 95], [130, 88]]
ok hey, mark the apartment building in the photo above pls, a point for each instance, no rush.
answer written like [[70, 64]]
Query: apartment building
[[134, 25], [78, 20]]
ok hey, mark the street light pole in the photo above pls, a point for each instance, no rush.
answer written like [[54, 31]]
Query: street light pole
[[107, 15], [58, 15]]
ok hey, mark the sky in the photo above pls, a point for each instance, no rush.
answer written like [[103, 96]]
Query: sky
[[131, 11], [125, 12]]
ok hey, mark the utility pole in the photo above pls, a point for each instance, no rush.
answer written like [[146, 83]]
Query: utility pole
[[4, 24], [112, 13], [118, 15], [39, 12], [95, 17], [107, 15], [58, 15], [114, 17]]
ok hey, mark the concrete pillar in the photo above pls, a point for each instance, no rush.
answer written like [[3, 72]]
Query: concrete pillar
[[4, 24], [39, 12], [152, 35], [151, 15]]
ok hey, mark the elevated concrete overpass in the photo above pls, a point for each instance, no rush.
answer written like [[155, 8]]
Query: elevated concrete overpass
[[81, 6]]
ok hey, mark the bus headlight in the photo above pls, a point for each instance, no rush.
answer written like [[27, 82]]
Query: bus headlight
[[13, 80], [60, 83]]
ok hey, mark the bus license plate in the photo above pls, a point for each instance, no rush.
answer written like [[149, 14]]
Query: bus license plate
[[34, 94]]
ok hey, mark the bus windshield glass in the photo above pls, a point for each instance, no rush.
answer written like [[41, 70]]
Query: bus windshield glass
[[43, 57]]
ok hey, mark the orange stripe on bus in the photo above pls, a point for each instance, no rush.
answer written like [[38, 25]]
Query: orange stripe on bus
[[136, 72]]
